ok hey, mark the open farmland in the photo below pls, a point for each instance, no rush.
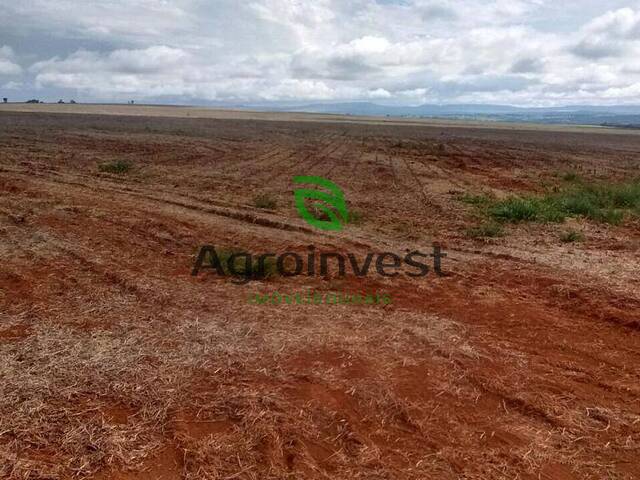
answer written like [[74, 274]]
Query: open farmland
[[523, 362]]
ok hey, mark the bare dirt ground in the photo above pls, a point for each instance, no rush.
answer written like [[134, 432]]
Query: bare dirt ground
[[115, 363]]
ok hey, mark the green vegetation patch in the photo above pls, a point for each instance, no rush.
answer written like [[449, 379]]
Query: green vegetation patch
[[477, 200], [601, 202]]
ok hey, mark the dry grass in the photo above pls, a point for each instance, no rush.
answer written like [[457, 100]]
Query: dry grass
[[60, 383]]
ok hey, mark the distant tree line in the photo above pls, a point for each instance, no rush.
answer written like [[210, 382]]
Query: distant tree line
[[35, 100], [72, 101]]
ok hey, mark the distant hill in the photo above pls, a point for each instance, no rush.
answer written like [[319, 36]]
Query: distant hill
[[618, 116]]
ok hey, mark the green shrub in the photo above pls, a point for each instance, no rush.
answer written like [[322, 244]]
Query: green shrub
[[578, 203], [118, 166], [515, 209], [625, 196], [610, 215]]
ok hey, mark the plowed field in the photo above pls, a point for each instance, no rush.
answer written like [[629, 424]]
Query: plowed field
[[522, 362]]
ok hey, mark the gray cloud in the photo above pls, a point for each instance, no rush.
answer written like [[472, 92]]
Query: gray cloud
[[610, 35], [437, 11], [527, 65], [410, 51], [593, 49]]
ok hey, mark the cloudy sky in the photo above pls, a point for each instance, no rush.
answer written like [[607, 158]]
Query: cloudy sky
[[518, 52]]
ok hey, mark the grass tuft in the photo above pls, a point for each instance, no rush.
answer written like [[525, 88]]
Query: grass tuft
[[356, 217], [119, 167], [486, 230], [570, 177], [477, 200], [516, 210], [265, 201], [572, 236]]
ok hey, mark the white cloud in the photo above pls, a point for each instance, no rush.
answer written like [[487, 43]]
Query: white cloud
[[409, 51], [152, 71]]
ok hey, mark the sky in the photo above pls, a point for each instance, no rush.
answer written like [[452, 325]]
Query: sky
[[397, 52]]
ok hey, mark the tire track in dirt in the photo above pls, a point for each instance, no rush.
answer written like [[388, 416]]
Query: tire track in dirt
[[335, 157], [228, 212], [249, 215], [310, 160], [238, 166], [359, 157], [315, 161], [333, 161], [426, 199]]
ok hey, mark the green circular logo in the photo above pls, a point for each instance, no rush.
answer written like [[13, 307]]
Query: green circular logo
[[330, 209]]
